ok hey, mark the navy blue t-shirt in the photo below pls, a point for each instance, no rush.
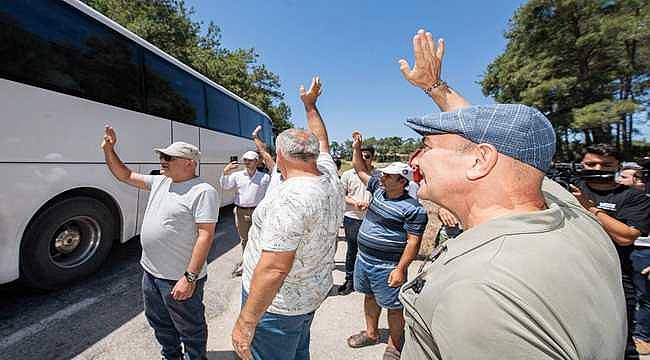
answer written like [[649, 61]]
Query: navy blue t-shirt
[[387, 221]]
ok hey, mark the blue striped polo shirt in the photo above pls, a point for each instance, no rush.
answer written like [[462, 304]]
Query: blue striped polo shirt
[[387, 221]]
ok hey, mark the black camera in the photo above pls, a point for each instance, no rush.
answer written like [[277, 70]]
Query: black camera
[[567, 174]]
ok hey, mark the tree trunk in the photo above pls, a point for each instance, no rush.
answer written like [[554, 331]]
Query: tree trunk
[[618, 136], [587, 137]]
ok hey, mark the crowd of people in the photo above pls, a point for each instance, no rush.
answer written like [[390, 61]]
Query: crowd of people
[[539, 272]]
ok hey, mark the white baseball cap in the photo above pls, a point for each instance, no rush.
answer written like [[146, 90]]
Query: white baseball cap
[[182, 150], [250, 155], [399, 168]]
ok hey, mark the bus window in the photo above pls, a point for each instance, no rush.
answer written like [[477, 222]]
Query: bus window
[[172, 93], [49, 44], [223, 113], [249, 119], [267, 130]]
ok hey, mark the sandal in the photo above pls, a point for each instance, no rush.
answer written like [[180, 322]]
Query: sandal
[[391, 353], [361, 339]]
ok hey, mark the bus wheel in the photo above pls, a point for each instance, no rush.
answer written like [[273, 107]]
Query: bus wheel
[[67, 241]]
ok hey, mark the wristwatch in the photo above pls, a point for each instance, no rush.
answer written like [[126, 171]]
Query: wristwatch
[[191, 277]]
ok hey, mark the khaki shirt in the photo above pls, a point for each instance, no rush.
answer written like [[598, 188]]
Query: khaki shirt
[[539, 285]]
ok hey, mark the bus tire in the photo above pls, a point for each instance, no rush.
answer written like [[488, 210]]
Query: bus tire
[[67, 241]]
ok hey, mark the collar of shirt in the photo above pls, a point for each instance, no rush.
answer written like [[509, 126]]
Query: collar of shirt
[[246, 173], [525, 223]]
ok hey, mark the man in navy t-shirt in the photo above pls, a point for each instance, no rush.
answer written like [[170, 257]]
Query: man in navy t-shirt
[[624, 213], [388, 241]]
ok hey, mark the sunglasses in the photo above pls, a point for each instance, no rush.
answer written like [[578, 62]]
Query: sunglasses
[[167, 157]]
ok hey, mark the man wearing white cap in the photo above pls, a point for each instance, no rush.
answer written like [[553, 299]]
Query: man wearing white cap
[[388, 241], [250, 185], [177, 233]]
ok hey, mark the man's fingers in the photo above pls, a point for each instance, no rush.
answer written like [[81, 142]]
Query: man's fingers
[[405, 68], [440, 50], [302, 90], [418, 50], [428, 45]]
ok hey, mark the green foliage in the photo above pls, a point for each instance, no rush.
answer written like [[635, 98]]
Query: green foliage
[[168, 25], [603, 112], [584, 63], [391, 148]]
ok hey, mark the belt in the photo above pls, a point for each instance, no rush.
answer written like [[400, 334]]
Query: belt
[[380, 254], [246, 207]]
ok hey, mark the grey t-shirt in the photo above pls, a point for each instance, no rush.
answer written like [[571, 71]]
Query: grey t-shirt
[[169, 228], [538, 285]]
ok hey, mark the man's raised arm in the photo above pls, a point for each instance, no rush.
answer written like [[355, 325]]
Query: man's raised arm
[[117, 167], [263, 149], [426, 72], [314, 120], [357, 159]]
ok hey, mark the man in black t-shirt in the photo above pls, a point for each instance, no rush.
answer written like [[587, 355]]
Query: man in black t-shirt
[[624, 214]]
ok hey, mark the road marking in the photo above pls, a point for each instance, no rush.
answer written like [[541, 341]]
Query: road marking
[[43, 324]]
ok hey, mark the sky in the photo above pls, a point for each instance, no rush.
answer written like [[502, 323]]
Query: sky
[[354, 46]]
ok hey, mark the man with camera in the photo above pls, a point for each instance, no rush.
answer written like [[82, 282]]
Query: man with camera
[[250, 185], [624, 213]]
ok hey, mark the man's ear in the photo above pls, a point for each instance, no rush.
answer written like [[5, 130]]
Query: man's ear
[[485, 157]]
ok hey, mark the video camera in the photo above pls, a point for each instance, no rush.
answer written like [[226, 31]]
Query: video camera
[[567, 174]]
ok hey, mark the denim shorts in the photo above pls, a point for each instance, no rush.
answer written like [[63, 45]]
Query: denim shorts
[[371, 278]]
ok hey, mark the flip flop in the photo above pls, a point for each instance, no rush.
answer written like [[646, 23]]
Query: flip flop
[[361, 339]]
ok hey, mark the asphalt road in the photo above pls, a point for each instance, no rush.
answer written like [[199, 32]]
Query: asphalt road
[[102, 312]]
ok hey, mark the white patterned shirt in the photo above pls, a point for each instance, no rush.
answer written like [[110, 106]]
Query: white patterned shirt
[[301, 214]]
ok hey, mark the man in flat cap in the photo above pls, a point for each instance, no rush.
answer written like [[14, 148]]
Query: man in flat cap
[[177, 233], [534, 276], [250, 187]]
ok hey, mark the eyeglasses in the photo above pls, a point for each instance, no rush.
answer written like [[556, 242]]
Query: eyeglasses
[[167, 157]]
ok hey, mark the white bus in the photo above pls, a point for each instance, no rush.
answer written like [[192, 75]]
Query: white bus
[[65, 72]]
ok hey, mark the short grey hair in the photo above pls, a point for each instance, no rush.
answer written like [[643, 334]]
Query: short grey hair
[[298, 144]]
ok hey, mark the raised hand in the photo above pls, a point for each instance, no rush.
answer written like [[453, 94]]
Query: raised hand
[[310, 96], [257, 130], [230, 168], [109, 139], [428, 61], [357, 140], [446, 217]]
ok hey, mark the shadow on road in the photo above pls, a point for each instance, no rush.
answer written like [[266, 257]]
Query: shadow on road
[[62, 324]]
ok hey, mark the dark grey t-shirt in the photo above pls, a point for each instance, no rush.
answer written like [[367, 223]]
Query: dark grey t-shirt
[[169, 228]]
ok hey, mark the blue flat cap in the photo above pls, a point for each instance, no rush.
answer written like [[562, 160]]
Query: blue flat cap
[[515, 130]]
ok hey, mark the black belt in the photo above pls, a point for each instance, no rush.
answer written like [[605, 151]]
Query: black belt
[[380, 254], [246, 207]]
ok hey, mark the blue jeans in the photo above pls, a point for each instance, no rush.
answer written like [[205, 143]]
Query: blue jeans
[[281, 337], [351, 227], [175, 322], [640, 260]]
